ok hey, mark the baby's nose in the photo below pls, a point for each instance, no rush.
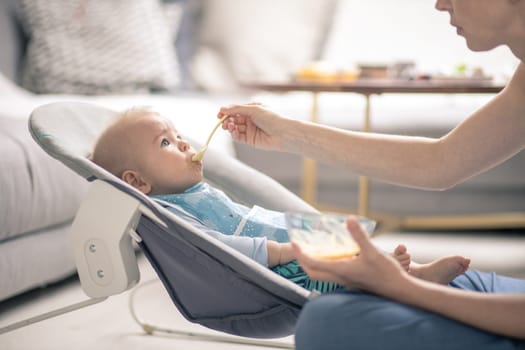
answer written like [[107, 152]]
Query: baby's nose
[[183, 145]]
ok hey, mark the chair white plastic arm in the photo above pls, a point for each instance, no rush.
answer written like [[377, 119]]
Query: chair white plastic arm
[[103, 248]]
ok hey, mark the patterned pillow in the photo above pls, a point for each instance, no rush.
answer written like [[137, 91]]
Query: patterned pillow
[[98, 46]]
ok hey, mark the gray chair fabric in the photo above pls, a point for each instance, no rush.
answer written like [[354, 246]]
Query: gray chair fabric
[[209, 282]]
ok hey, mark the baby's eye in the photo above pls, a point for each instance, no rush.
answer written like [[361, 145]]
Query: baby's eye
[[164, 143]]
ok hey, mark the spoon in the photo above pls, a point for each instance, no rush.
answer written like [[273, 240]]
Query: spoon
[[199, 155]]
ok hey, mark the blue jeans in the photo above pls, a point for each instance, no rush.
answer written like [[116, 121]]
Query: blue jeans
[[351, 319]]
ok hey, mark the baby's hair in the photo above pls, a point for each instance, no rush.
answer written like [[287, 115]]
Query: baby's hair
[[105, 154], [134, 112]]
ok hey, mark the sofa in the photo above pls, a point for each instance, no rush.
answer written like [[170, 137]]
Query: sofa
[[212, 53]]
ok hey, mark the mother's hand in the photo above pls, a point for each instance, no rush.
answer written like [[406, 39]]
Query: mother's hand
[[371, 270], [253, 124]]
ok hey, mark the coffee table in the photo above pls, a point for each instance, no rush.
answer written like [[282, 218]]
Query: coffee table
[[367, 88]]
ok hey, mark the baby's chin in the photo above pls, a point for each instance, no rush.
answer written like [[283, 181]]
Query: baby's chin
[[193, 183], [200, 175]]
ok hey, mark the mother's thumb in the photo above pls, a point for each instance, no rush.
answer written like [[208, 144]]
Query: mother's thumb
[[358, 233]]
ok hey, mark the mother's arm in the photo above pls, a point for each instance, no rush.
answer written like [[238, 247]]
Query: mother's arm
[[379, 273], [489, 136], [498, 313]]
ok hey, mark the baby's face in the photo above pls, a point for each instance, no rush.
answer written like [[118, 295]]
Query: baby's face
[[163, 157]]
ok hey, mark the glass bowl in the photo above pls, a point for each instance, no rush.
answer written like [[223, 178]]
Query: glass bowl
[[324, 235]]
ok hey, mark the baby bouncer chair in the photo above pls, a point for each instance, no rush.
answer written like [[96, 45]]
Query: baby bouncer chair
[[210, 283]]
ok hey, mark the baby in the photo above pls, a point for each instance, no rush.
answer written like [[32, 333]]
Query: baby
[[145, 150]]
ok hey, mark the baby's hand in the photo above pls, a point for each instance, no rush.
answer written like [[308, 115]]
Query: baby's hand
[[279, 253]]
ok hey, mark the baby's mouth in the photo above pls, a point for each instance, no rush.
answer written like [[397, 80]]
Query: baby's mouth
[[191, 155]]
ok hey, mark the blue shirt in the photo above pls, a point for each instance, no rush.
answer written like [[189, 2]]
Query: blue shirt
[[244, 229]]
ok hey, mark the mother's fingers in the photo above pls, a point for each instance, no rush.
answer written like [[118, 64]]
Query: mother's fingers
[[359, 234], [239, 127]]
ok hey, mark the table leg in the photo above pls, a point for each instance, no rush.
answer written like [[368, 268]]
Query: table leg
[[309, 173], [364, 182]]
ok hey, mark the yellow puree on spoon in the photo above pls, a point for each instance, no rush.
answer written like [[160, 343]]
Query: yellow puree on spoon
[[199, 155]]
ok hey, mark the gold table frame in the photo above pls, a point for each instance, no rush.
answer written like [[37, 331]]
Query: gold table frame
[[367, 88]]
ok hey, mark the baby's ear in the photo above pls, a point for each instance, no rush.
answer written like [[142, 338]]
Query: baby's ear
[[134, 179]]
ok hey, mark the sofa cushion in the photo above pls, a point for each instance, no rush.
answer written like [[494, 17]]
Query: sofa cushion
[[95, 47], [8, 88], [37, 191], [35, 260], [256, 39]]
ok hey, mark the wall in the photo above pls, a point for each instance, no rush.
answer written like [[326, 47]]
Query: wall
[[385, 31]]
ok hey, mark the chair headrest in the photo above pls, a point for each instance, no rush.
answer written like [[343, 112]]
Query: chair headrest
[[68, 131]]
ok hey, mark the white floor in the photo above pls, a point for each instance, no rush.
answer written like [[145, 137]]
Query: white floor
[[108, 325]]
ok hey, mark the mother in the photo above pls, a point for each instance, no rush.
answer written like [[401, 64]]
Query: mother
[[477, 310]]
